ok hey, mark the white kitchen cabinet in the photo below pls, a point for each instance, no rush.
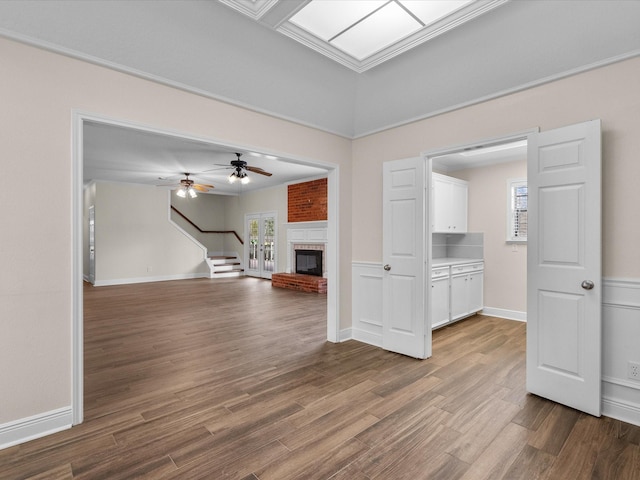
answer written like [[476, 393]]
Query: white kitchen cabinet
[[449, 196], [439, 296], [466, 289]]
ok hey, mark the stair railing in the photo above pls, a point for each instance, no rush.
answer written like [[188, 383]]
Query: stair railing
[[206, 231]]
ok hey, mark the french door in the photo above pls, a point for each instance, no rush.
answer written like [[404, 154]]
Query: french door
[[260, 244]]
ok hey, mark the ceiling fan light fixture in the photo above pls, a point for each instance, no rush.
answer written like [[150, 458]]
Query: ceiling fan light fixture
[[192, 193], [239, 174], [181, 192]]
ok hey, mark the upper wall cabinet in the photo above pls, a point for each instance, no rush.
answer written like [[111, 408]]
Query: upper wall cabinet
[[449, 196]]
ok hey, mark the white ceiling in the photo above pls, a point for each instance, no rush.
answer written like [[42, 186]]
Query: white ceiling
[[242, 57], [119, 154]]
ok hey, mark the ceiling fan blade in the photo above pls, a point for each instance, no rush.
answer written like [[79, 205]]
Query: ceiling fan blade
[[203, 185], [258, 171], [200, 188], [219, 167]]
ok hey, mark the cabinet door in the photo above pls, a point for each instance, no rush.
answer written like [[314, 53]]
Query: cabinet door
[[441, 204], [475, 289], [459, 193], [459, 296], [439, 301]]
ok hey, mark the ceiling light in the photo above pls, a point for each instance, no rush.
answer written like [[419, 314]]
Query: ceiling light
[[182, 192], [239, 174]]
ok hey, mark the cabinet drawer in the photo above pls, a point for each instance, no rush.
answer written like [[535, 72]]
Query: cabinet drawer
[[467, 268], [440, 272]]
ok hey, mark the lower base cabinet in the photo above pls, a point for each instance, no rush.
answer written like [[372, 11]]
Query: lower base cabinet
[[439, 301], [457, 294]]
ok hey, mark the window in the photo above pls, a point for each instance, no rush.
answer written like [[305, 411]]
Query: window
[[517, 219]]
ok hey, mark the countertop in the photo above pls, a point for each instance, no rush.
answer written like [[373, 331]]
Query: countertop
[[445, 262]]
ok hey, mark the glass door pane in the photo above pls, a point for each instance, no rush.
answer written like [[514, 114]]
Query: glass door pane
[[269, 253]]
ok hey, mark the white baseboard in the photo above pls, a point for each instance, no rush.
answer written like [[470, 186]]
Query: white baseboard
[[30, 428], [162, 278], [345, 334], [367, 337], [503, 313]]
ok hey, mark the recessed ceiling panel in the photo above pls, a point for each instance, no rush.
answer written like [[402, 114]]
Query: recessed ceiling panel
[[361, 34], [385, 26], [327, 18], [431, 11]]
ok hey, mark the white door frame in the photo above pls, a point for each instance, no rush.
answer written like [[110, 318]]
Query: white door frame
[[428, 158], [77, 204]]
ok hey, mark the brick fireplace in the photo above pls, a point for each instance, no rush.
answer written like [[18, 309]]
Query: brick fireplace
[[303, 236], [306, 230]]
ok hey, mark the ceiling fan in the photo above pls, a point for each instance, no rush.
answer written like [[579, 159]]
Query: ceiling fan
[[188, 186], [240, 169]]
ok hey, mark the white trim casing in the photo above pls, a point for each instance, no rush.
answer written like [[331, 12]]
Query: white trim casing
[[78, 118]]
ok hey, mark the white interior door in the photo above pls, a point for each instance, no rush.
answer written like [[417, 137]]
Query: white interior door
[[260, 244], [564, 266], [403, 252]]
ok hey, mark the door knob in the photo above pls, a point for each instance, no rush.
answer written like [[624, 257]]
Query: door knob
[[387, 267], [587, 284]]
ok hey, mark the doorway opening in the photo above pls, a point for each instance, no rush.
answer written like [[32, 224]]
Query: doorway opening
[[469, 238], [79, 240]]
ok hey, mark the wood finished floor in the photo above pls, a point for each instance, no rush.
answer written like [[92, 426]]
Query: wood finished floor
[[233, 379]]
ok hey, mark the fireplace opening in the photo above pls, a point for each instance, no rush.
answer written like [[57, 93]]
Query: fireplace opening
[[309, 262]]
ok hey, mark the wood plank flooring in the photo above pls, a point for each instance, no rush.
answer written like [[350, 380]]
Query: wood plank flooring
[[233, 379]]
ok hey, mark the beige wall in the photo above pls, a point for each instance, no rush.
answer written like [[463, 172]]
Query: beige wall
[[505, 265], [40, 91], [135, 239], [207, 211], [609, 93]]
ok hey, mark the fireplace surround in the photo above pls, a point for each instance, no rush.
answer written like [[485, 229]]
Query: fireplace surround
[[310, 237]]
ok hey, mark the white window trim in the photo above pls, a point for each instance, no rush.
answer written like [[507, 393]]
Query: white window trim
[[511, 183]]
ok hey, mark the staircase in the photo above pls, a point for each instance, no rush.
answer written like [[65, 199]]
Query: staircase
[[225, 266]]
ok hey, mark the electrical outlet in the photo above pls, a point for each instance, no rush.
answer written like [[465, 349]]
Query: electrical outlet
[[149, 269], [633, 371]]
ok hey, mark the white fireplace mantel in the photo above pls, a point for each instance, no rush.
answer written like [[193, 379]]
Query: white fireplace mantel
[[308, 233]]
